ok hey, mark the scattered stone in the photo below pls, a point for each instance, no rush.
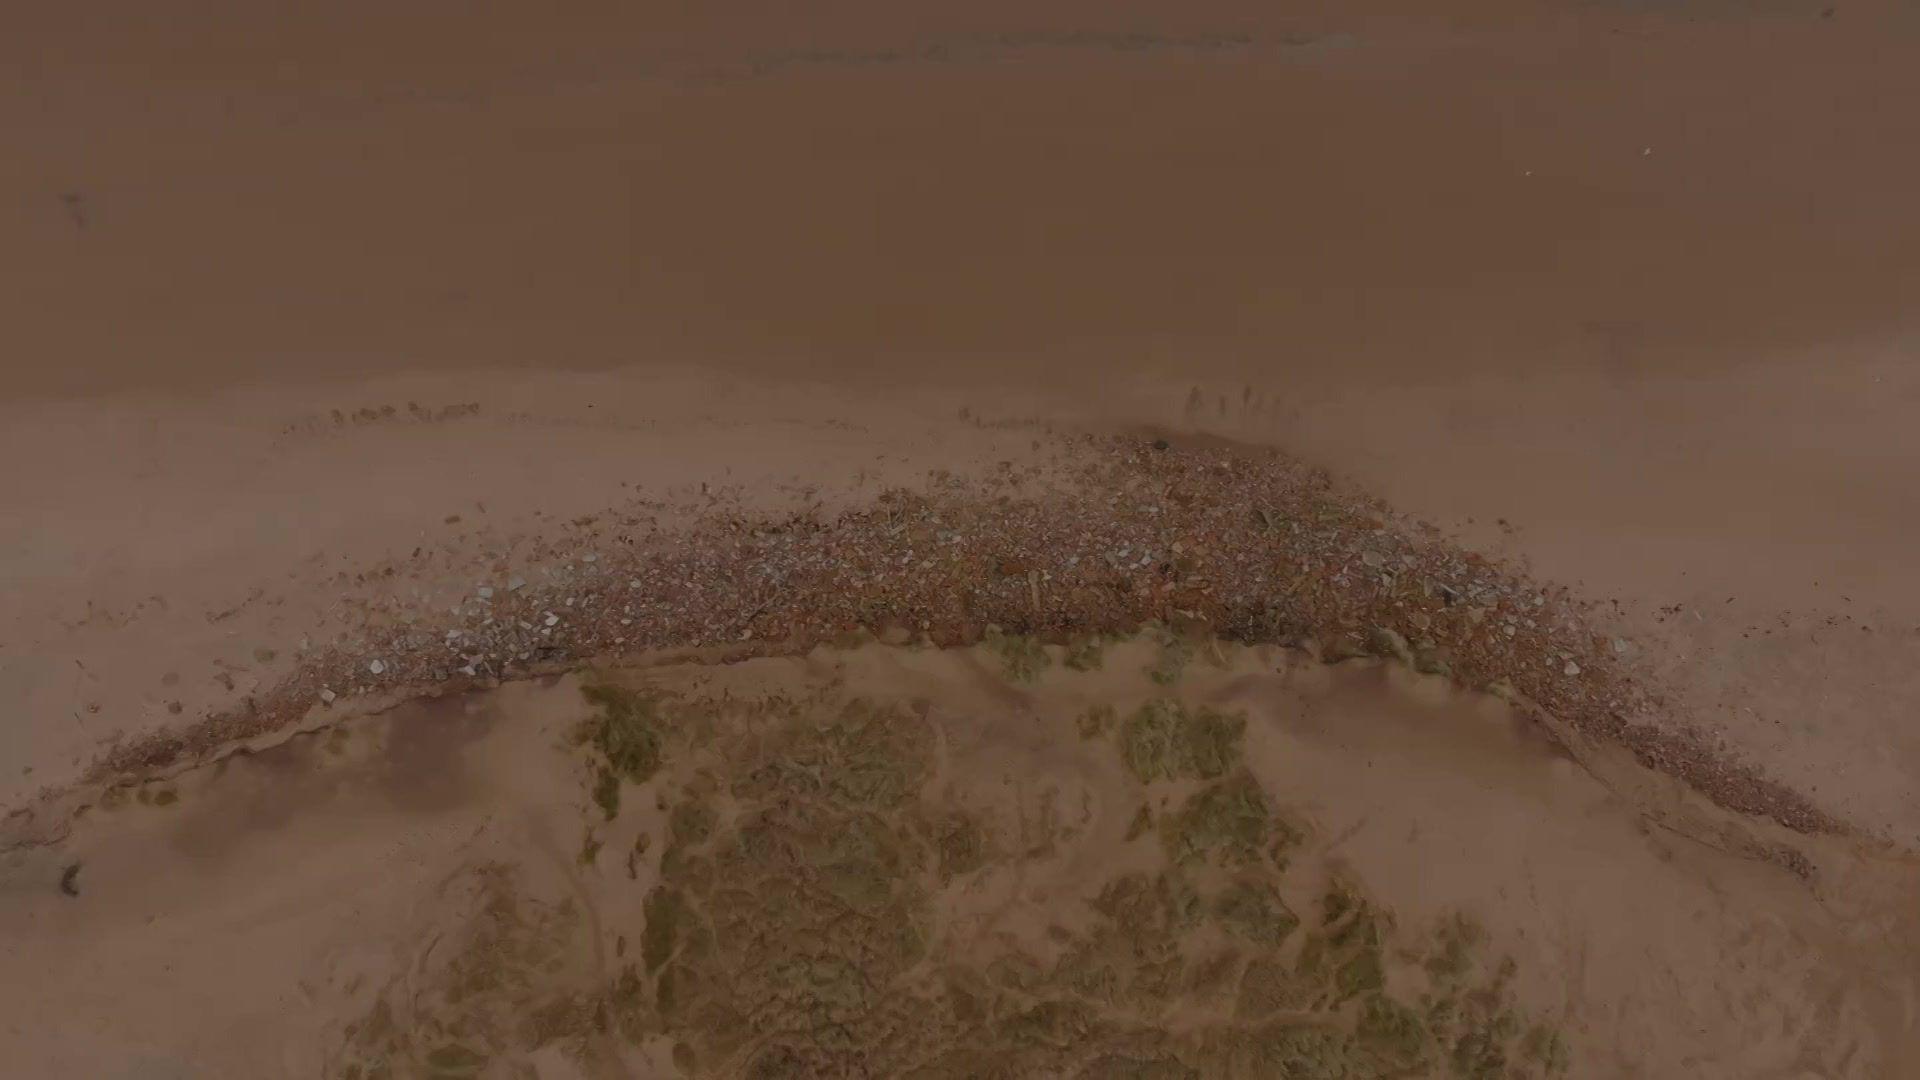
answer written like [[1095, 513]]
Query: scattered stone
[[377, 666], [515, 584], [1389, 643], [327, 696], [1572, 668], [486, 592]]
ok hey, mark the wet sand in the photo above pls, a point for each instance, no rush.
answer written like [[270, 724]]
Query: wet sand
[[327, 325]]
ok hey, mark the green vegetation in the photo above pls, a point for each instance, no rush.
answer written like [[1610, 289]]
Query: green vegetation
[[1176, 652], [626, 731], [1162, 740], [792, 923], [1021, 656], [1088, 653], [1225, 822]]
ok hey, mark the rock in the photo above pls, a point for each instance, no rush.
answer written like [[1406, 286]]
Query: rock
[[377, 666], [1572, 668], [327, 696], [1388, 643], [486, 592], [515, 584], [1342, 647], [552, 619]]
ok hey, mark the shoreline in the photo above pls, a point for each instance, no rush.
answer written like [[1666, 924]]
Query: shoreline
[[1205, 539]]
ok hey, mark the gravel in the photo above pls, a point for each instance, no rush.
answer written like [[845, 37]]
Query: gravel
[[1259, 547]]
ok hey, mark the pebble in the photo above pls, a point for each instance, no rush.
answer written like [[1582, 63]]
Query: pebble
[[516, 584], [486, 592], [1572, 668], [377, 666], [552, 619], [327, 695]]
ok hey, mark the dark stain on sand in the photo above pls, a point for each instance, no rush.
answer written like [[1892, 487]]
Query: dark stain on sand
[[411, 759], [424, 767]]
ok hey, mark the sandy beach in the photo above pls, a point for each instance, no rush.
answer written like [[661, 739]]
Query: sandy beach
[[1077, 540]]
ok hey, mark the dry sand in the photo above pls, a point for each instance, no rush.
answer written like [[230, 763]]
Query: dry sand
[[887, 861], [1506, 416]]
